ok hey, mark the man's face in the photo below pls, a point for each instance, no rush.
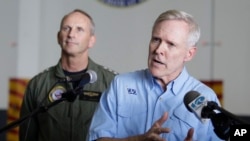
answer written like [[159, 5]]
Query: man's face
[[75, 35], [168, 49]]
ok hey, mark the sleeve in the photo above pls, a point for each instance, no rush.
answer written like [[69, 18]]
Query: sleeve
[[28, 130], [104, 121]]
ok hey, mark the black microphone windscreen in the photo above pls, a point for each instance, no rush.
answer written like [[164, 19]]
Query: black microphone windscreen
[[189, 97]]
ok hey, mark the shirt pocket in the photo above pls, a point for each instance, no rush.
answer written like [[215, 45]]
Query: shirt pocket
[[132, 108], [131, 115]]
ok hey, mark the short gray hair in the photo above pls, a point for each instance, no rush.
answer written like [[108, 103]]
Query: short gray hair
[[194, 29], [84, 13]]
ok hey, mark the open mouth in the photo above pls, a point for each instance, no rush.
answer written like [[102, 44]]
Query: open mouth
[[159, 62]]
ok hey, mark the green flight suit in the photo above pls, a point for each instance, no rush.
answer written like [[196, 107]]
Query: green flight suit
[[65, 121]]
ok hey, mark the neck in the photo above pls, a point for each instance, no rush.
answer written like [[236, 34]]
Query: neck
[[73, 64]]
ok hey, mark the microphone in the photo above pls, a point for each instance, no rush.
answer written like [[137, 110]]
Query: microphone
[[203, 109], [198, 104], [195, 103], [89, 76]]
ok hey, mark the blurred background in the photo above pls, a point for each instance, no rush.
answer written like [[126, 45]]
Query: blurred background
[[28, 44]]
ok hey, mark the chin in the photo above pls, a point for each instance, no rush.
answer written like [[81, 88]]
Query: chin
[[154, 71]]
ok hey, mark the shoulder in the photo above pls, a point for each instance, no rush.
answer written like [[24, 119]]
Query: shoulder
[[132, 76], [46, 71], [205, 90], [104, 74], [42, 75], [108, 70], [101, 69]]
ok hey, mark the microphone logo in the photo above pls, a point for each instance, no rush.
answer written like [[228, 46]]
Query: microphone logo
[[198, 102], [196, 106]]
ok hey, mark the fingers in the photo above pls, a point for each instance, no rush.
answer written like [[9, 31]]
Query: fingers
[[157, 127], [154, 132], [163, 118], [189, 135], [162, 130]]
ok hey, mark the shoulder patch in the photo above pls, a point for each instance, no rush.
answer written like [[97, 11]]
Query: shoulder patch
[[56, 93], [108, 69]]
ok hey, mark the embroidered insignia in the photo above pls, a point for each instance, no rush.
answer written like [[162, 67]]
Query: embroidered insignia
[[90, 96], [131, 91], [56, 93], [106, 68]]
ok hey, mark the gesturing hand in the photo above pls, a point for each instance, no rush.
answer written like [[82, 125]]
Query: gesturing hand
[[154, 132], [189, 135]]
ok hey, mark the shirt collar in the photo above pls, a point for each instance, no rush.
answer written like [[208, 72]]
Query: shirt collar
[[179, 82], [175, 86]]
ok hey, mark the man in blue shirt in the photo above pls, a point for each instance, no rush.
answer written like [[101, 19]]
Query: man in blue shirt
[[147, 105]]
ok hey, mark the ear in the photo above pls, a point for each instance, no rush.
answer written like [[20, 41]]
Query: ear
[[58, 38], [190, 53], [92, 41]]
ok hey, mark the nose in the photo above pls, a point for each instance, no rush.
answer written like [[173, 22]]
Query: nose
[[71, 33], [160, 48]]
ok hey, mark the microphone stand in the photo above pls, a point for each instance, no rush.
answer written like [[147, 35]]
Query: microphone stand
[[221, 121], [235, 120], [69, 95], [33, 113]]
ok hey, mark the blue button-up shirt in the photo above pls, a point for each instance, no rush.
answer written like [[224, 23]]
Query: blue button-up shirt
[[134, 101]]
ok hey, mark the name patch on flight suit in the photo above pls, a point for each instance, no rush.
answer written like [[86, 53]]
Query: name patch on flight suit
[[90, 96]]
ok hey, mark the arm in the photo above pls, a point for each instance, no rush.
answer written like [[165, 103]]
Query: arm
[[152, 134], [134, 138], [28, 129]]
